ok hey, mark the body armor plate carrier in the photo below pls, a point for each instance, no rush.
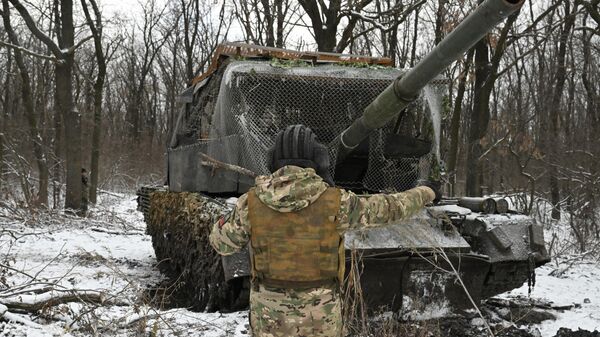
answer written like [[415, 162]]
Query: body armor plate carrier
[[296, 250]]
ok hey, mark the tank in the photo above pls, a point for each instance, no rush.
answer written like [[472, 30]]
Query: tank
[[381, 125]]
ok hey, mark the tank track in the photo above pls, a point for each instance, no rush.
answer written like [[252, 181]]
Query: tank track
[[180, 224], [505, 276]]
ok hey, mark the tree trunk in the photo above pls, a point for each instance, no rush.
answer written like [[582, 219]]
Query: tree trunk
[[96, 134], [479, 117], [4, 114], [486, 74], [27, 96], [270, 39], [554, 141], [71, 117], [98, 95], [56, 162], [456, 117], [413, 53], [592, 97], [280, 23], [439, 21], [325, 31]]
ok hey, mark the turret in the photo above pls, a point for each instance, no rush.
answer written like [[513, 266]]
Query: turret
[[406, 87]]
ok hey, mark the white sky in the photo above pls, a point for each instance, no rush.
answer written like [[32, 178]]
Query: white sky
[[129, 9]]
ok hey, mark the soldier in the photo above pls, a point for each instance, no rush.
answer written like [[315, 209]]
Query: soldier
[[295, 221]]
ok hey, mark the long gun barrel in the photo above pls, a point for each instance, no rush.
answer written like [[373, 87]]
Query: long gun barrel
[[406, 87]]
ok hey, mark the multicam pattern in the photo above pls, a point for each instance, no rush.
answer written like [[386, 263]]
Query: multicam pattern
[[313, 312], [365, 211], [230, 236], [290, 188], [283, 313]]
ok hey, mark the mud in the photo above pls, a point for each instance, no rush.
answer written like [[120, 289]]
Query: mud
[[461, 327], [564, 332], [516, 319]]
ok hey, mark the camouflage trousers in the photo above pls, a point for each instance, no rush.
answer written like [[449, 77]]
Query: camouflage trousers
[[288, 312]]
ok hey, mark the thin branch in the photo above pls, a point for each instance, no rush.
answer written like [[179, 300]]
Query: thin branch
[[36, 31], [30, 53], [498, 142], [72, 49]]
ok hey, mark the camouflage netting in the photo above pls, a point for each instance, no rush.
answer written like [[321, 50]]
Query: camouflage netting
[[187, 218], [238, 111]]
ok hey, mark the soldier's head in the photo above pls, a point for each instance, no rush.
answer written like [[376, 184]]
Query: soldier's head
[[297, 145]]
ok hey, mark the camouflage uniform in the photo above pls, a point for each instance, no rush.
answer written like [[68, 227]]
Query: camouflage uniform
[[316, 311]]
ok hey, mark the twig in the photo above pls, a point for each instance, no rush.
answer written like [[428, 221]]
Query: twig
[[475, 306], [16, 270], [493, 146], [107, 231], [561, 271], [49, 263]]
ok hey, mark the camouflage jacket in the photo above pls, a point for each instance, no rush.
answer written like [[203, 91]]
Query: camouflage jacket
[[313, 312]]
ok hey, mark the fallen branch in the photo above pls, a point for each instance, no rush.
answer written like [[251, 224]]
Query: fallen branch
[[16, 270], [6, 315], [108, 231], [509, 303], [560, 272], [34, 303]]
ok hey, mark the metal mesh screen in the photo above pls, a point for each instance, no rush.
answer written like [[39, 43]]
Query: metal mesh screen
[[257, 99]]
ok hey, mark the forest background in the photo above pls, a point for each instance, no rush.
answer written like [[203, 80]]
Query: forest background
[[95, 85]]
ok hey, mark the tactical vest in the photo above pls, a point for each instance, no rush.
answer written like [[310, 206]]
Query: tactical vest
[[296, 250]]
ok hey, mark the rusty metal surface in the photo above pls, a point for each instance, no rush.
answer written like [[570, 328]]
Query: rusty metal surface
[[249, 50]]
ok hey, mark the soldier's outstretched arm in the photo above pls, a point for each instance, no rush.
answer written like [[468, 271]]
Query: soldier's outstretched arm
[[360, 211], [231, 233]]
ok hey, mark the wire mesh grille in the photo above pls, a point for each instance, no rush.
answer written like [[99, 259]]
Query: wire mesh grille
[[258, 99]]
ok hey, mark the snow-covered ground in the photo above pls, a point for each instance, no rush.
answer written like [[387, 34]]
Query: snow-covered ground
[[578, 286], [108, 256], [108, 260]]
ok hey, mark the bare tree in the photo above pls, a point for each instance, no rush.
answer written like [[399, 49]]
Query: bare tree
[[32, 119], [486, 74], [63, 51], [325, 19], [265, 22], [96, 27], [559, 82], [141, 63], [200, 35]]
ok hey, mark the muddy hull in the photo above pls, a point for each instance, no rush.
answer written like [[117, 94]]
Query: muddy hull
[[431, 265]]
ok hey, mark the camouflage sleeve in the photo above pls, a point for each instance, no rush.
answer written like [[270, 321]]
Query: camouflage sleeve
[[362, 211], [231, 234]]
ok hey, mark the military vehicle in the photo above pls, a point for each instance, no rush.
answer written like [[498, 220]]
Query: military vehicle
[[443, 259]]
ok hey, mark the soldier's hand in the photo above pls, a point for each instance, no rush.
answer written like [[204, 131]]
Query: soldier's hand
[[436, 186]]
